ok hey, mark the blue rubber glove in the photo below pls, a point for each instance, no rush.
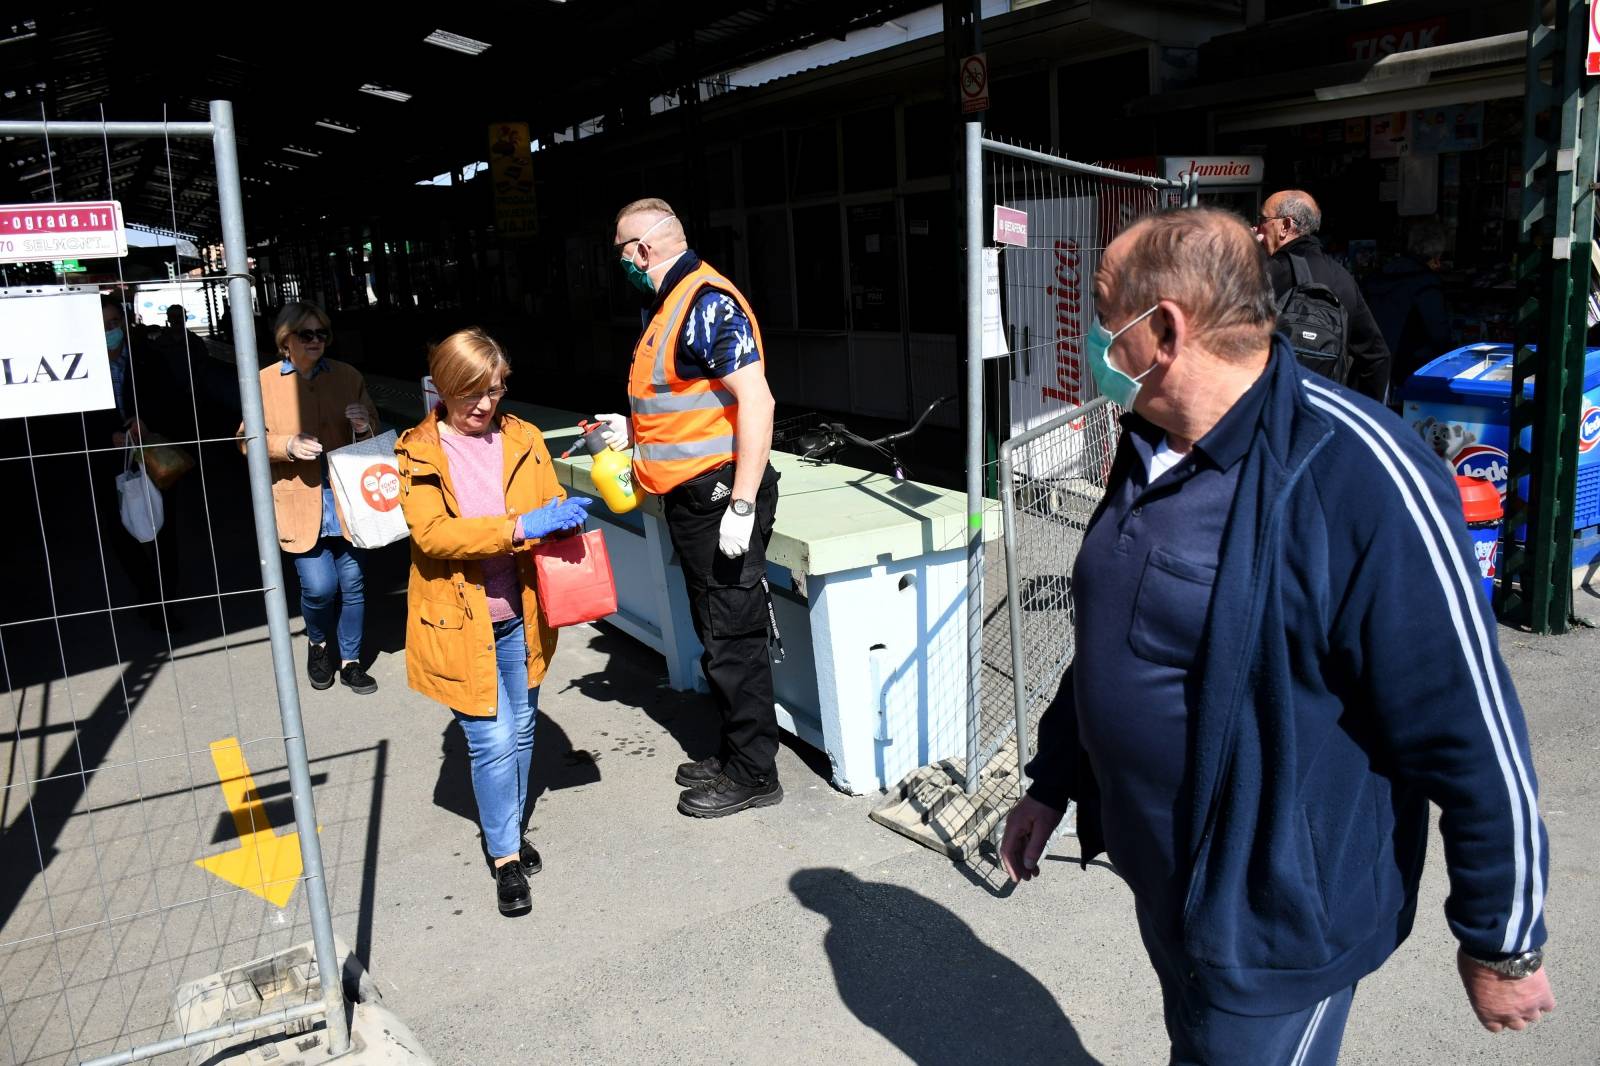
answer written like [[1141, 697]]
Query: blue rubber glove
[[554, 517]]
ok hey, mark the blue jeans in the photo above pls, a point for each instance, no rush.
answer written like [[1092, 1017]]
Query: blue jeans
[[501, 747], [1204, 1035], [333, 566]]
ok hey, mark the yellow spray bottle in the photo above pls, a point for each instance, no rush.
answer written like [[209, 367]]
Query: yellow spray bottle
[[612, 470]]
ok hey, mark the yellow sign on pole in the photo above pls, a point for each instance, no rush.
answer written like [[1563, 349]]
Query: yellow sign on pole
[[264, 862], [516, 213]]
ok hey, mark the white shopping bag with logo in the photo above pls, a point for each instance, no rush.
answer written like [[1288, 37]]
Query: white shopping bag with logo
[[366, 485]]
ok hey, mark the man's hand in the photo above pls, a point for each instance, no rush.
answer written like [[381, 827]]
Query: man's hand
[[303, 446], [357, 414], [1502, 1002], [733, 538], [616, 434], [1028, 829]]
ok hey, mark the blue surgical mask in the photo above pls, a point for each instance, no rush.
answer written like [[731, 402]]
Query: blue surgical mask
[[641, 279], [1112, 381], [114, 338]]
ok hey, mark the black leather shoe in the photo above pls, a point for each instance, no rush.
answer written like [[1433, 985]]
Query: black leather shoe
[[528, 856], [724, 796], [319, 667], [703, 772], [511, 889], [357, 680]]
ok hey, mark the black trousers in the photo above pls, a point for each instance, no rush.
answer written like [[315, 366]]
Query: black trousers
[[728, 601]]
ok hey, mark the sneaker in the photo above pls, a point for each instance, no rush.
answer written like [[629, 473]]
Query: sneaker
[[723, 796], [703, 772], [528, 856], [357, 680], [319, 666], [511, 889]]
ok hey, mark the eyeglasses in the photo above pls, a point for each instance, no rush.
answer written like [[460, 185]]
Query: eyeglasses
[[475, 398], [1262, 220], [617, 248], [308, 335]]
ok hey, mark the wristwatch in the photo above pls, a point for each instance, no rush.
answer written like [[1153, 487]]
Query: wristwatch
[[742, 508], [1517, 966]]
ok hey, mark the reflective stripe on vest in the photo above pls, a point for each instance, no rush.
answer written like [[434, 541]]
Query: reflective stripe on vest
[[682, 427], [697, 449], [672, 403]]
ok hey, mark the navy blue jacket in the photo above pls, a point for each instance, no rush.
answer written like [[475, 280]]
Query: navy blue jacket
[[1349, 673]]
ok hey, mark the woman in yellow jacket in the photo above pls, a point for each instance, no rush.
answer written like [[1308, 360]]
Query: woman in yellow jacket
[[478, 489]]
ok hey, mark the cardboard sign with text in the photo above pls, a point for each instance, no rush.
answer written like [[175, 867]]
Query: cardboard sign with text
[[53, 356]]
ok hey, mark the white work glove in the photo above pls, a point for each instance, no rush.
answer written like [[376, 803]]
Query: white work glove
[[303, 446], [616, 434], [357, 414], [733, 538]]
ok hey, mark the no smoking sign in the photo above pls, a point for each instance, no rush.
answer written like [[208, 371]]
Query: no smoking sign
[[975, 83]]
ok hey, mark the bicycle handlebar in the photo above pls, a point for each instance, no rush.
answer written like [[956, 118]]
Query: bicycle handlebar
[[904, 433]]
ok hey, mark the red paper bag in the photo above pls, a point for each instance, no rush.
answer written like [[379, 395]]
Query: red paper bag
[[574, 579]]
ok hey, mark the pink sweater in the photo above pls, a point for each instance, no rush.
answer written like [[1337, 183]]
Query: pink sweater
[[477, 474]]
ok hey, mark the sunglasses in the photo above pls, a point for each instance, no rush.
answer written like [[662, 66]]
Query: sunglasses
[[475, 398], [308, 335]]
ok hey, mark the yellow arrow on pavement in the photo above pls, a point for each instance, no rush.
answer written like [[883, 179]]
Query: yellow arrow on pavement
[[264, 862]]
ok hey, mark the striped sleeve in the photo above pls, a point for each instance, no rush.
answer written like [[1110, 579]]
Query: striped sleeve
[[1423, 641]]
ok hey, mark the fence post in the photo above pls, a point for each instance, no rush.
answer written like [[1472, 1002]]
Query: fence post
[[974, 244], [1019, 667], [230, 195]]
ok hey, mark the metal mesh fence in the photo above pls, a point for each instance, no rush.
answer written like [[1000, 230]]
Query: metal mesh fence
[[1033, 332], [1047, 306], [1052, 479], [154, 770]]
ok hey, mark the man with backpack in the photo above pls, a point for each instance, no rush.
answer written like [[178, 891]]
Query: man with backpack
[[1320, 307]]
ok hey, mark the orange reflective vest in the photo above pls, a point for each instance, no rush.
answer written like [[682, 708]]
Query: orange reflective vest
[[682, 427]]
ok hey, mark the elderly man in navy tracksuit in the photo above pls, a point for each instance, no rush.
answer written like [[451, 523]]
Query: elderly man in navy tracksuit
[[1283, 656]]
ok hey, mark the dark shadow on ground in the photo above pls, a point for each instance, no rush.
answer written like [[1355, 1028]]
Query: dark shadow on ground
[[910, 969], [556, 765], [691, 718]]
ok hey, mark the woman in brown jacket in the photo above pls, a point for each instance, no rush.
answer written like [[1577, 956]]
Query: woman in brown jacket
[[478, 489], [313, 405]]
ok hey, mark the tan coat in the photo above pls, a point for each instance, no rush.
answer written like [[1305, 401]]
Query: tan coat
[[449, 638], [294, 405]]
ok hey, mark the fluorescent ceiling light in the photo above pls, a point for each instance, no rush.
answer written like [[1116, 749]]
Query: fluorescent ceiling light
[[302, 151], [388, 94], [456, 43], [333, 124]]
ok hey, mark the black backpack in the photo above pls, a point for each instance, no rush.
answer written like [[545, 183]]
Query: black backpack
[[1316, 323]]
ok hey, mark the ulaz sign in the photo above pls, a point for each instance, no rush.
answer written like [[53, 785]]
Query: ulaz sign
[[52, 352]]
